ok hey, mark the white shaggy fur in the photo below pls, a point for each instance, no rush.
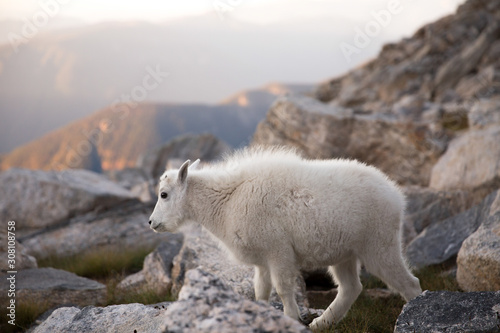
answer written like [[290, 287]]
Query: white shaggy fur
[[279, 212]]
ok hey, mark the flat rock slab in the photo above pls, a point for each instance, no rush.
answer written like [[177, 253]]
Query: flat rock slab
[[446, 311], [37, 199], [123, 226], [53, 287], [115, 318]]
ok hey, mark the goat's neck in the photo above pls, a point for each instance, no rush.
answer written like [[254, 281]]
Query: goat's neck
[[207, 205]]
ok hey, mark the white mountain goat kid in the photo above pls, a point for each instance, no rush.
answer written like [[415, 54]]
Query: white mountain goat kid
[[276, 211]]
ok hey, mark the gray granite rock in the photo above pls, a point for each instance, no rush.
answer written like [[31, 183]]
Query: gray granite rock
[[485, 113], [36, 199], [156, 274], [207, 304], [52, 287], [441, 241], [478, 260], [405, 151], [426, 206], [451, 312], [114, 318], [122, 226], [472, 162], [206, 147]]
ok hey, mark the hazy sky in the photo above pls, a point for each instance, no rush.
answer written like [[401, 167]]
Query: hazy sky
[[256, 11]]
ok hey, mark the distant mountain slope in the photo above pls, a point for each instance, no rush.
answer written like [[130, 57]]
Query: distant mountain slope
[[117, 136]]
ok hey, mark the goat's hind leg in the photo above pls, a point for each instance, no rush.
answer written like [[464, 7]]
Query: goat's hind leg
[[346, 275], [389, 266]]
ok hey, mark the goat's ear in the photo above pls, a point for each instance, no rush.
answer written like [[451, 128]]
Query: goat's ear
[[194, 165], [183, 172]]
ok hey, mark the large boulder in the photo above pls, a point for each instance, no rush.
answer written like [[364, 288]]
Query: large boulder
[[36, 199], [206, 147], [426, 206], [451, 312], [478, 260], [53, 287], [156, 274], [472, 162], [442, 241], [122, 226], [200, 249], [406, 151], [114, 318], [207, 304]]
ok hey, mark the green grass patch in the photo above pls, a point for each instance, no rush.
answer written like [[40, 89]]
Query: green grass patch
[[379, 315], [142, 295], [26, 314], [99, 263]]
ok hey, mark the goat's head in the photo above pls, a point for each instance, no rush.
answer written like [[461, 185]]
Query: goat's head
[[169, 212]]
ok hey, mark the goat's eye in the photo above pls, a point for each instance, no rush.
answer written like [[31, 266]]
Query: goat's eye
[[163, 195]]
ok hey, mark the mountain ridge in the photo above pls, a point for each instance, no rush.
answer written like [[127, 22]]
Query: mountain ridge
[[120, 134]]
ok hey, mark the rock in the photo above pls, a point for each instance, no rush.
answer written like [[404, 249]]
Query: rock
[[146, 191], [405, 151], [478, 260], [477, 85], [52, 287], [464, 62], [122, 226], [206, 147], [446, 311], [329, 90], [133, 282], [442, 241], [136, 181], [21, 257], [201, 250], [128, 177], [158, 264], [472, 162], [426, 206], [207, 304], [114, 318], [156, 274], [484, 113], [36, 199]]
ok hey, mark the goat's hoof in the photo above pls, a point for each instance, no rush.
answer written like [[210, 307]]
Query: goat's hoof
[[319, 326]]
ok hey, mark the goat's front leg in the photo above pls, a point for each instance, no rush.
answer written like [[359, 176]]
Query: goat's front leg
[[262, 283], [283, 278]]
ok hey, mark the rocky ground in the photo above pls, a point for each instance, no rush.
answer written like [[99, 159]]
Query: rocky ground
[[426, 111]]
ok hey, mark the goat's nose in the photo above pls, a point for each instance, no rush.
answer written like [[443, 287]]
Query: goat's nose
[[150, 222]]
